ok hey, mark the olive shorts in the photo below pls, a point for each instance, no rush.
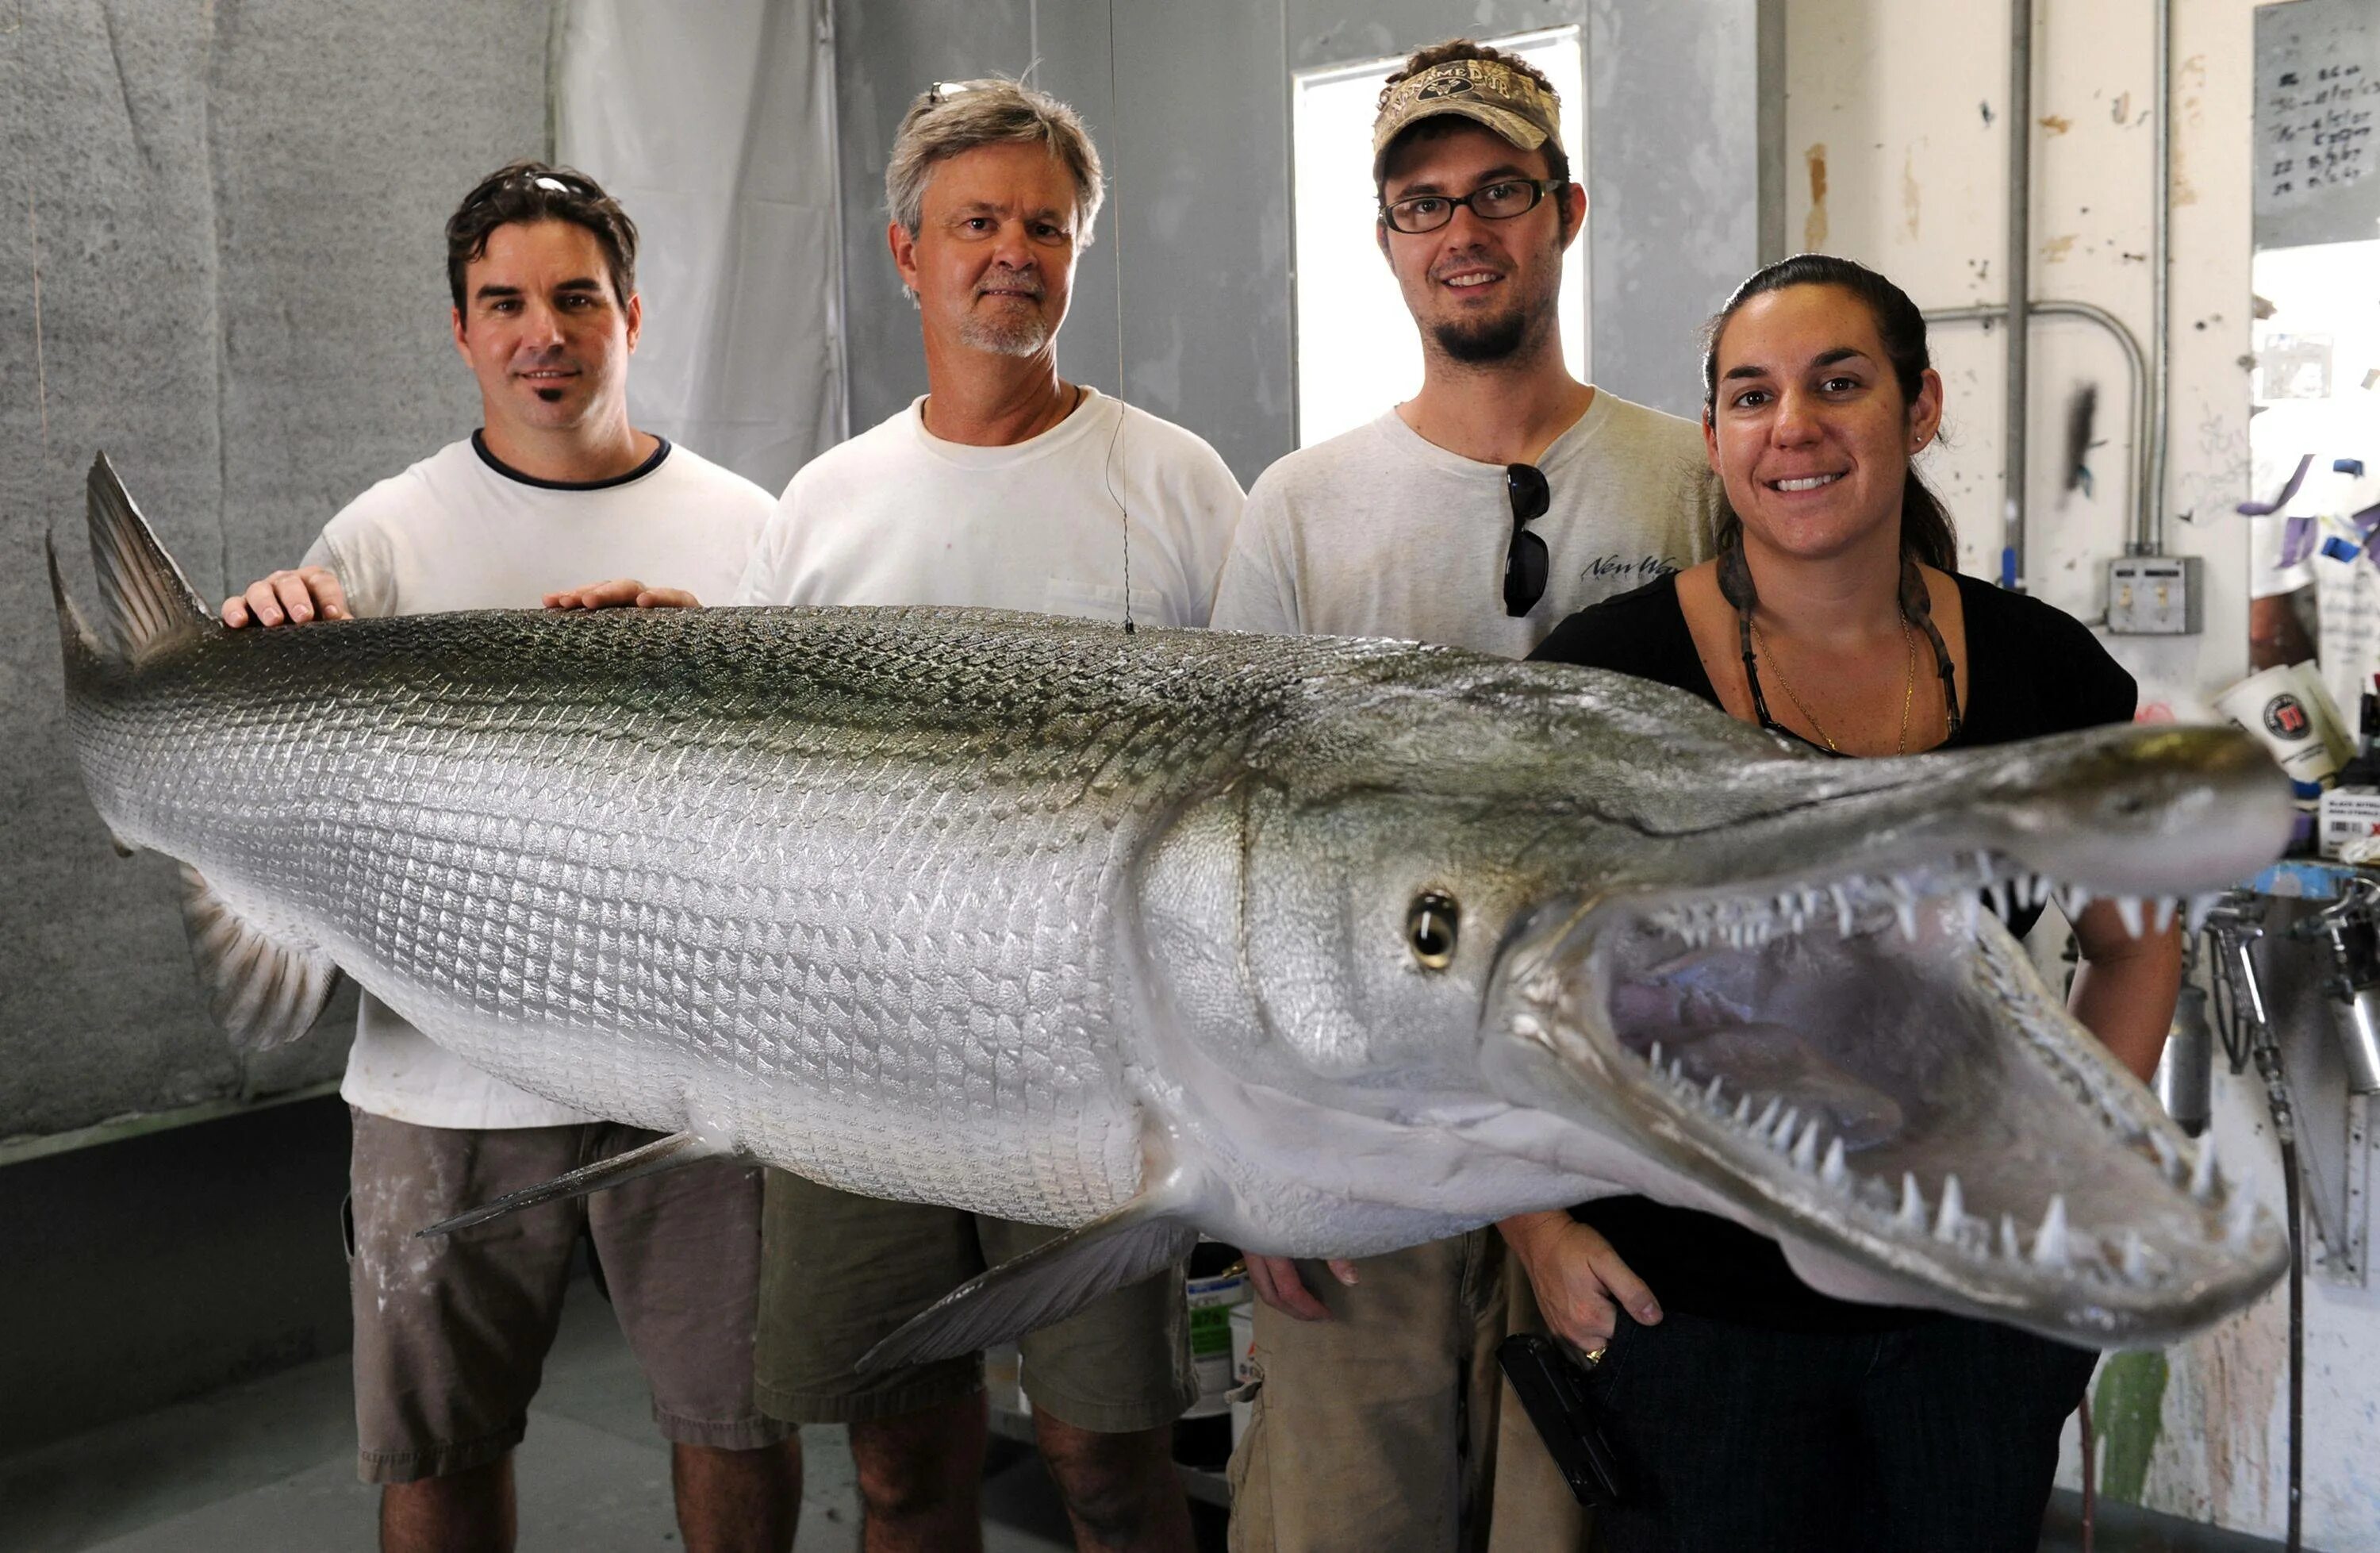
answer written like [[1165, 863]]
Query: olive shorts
[[840, 1272], [452, 1332]]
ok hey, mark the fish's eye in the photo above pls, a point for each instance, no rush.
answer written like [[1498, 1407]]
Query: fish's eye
[[1430, 929]]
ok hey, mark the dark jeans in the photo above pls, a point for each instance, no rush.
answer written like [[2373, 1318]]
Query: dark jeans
[[1940, 1437]]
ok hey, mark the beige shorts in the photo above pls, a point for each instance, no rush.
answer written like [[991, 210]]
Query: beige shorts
[[840, 1272], [452, 1332]]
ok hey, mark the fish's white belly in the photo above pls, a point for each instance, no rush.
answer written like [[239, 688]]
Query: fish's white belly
[[880, 1000]]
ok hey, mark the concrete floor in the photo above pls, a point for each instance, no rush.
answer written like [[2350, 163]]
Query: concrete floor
[[270, 1465]]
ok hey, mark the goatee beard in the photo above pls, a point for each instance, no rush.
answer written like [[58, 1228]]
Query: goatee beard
[[1489, 339], [1007, 336]]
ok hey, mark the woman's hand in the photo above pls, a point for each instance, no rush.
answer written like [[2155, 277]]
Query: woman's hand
[[1578, 1277], [1279, 1284]]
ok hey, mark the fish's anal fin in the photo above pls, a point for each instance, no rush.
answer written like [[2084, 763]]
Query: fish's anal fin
[[262, 991], [151, 604], [677, 1150], [1049, 1283]]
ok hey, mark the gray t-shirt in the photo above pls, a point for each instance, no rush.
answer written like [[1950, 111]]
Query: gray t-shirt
[[1378, 532]]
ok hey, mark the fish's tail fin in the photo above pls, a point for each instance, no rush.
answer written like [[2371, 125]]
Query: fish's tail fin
[[150, 604], [75, 639]]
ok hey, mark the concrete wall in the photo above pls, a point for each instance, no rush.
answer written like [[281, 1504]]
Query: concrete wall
[[1903, 108], [1197, 224], [220, 233]]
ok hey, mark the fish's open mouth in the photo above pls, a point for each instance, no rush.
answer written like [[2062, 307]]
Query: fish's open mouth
[[1869, 1067]]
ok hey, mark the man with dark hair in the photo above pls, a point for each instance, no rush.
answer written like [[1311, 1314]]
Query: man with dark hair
[[1501, 497], [452, 1332]]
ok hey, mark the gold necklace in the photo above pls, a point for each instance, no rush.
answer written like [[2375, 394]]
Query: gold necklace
[[1908, 688]]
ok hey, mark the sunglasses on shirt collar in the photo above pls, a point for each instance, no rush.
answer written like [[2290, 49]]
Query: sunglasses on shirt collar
[[1526, 561]]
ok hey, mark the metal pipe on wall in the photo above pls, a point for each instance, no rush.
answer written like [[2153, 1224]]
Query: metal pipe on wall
[[2019, 286], [2139, 489], [2148, 534]]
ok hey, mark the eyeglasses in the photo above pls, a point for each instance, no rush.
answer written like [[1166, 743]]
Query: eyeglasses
[[551, 180], [1528, 562], [1500, 201]]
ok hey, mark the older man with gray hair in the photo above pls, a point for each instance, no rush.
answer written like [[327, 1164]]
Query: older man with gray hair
[[1003, 486]]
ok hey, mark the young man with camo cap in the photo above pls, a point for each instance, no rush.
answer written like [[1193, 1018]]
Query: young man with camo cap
[[1500, 499]]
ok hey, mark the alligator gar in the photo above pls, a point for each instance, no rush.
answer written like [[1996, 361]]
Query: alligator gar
[[1318, 945]]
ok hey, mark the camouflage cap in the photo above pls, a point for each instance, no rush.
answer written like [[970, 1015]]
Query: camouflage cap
[[1480, 90]]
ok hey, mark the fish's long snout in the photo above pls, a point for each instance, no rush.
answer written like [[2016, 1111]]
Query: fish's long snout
[[2141, 811]]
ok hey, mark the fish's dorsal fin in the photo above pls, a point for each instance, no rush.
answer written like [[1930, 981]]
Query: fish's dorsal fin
[[262, 991], [150, 604], [677, 1150], [1049, 1283]]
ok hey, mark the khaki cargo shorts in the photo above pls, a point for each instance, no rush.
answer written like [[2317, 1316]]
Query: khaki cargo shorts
[[841, 1272], [452, 1332]]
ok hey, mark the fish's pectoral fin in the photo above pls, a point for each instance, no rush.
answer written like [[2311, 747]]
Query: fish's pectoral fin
[[151, 604], [677, 1150], [1049, 1283], [262, 991]]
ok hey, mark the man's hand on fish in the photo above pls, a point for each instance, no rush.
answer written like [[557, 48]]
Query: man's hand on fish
[[1581, 1283], [290, 597], [1279, 1284], [622, 592]]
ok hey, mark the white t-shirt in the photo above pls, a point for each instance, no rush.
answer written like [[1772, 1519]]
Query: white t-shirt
[[898, 516], [1380, 532], [458, 531]]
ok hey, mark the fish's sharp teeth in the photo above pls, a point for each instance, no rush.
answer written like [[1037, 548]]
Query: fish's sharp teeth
[[1971, 911], [1905, 912], [2161, 914], [2194, 917], [2202, 1172], [1711, 1095], [1743, 1111], [1946, 1227], [1783, 1135], [1654, 1059], [1678, 1071], [2001, 907], [2049, 1240], [2240, 1226], [2127, 911], [2008, 1247], [1913, 1203], [2136, 1258], [1806, 1148], [1768, 1117], [1842, 909], [1831, 1169]]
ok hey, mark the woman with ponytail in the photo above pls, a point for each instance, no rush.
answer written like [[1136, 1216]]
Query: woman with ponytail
[[1759, 1412]]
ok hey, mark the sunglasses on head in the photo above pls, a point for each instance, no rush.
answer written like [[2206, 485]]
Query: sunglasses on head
[[1527, 561]]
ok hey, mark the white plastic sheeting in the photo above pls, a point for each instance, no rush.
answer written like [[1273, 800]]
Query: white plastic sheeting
[[715, 126]]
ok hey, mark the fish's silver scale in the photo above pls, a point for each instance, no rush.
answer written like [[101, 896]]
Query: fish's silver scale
[[889, 984]]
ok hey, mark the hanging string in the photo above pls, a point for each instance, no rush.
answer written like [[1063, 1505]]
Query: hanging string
[[1115, 210]]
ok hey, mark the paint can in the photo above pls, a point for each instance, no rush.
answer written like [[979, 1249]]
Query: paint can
[[2272, 703], [1218, 1281], [1244, 1369]]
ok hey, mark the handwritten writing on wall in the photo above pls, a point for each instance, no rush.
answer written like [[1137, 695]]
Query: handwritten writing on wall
[[2317, 122]]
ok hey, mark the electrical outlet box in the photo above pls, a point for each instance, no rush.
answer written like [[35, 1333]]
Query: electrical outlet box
[[2155, 596]]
